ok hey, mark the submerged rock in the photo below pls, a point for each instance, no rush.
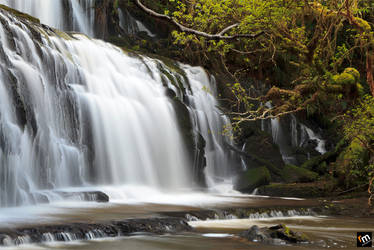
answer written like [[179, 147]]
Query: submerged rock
[[279, 234]]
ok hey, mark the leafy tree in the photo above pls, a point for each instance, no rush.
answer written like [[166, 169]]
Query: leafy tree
[[359, 127], [296, 46]]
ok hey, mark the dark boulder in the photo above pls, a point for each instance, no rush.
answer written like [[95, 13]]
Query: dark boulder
[[278, 234], [258, 149], [96, 196]]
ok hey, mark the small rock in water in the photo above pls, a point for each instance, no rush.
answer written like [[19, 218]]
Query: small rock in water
[[277, 235]]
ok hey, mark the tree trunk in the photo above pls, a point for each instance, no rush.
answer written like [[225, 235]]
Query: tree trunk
[[369, 70]]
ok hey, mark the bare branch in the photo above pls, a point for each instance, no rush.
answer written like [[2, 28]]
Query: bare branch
[[265, 116], [219, 36]]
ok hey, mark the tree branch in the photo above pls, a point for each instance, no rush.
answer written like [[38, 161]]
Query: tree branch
[[219, 36]]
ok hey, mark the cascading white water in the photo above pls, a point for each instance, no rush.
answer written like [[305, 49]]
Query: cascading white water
[[131, 25], [74, 15], [300, 134], [80, 112], [210, 123]]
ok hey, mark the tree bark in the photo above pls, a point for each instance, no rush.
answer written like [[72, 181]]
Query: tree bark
[[369, 70]]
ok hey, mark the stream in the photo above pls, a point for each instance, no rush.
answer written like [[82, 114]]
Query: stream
[[218, 228], [102, 148]]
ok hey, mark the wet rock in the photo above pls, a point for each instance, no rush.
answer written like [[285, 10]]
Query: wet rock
[[96, 196], [195, 143], [262, 146], [279, 234], [256, 234], [282, 232], [258, 149], [86, 231]]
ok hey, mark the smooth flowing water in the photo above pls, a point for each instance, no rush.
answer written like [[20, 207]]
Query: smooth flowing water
[[77, 112], [79, 115], [75, 15]]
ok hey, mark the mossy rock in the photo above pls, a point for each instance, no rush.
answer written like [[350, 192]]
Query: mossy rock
[[293, 174], [195, 143], [251, 179], [298, 190], [275, 235], [283, 232], [319, 163], [352, 163], [264, 152]]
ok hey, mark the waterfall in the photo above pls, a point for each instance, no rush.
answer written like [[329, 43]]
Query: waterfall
[[78, 112], [299, 136], [210, 123], [131, 25], [74, 15]]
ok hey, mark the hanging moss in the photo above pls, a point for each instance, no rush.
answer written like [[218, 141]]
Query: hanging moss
[[363, 24], [354, 72], [344, 79]]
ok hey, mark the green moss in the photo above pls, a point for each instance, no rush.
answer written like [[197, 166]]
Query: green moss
[[252, 179], [354, 72], [319, 163], [344, 79], [355, 151], [20, 14], [363, 24], [360, 89], [292, 173], [62, 34], [115, 4], [352, 168]]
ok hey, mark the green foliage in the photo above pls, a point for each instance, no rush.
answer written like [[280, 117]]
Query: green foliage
[[304, 46], [358, 158], [354, 72], [344, 79], [253, 178], [361, 123]]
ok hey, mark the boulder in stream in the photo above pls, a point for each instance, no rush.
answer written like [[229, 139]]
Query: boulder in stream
[[279, 234]]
